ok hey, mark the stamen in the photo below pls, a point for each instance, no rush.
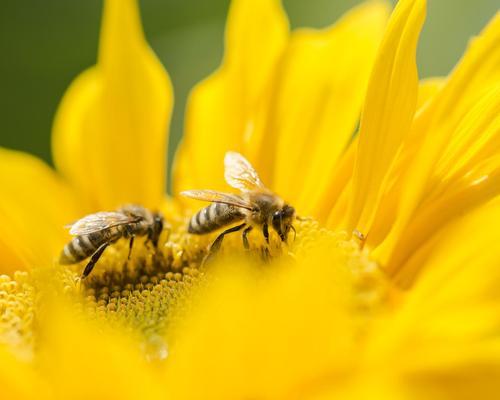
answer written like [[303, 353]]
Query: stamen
[[17, 313], [141, 295]]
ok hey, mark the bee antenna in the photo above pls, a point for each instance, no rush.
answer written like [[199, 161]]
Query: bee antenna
[[294, 232]]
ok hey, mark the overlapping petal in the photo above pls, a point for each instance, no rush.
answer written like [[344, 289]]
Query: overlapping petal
[[323, 321], [443, 126], [319, 91], [450, 318], [34, 207], [466, 178], [338, 186], [221, 109], [110, 132], [389, 108]]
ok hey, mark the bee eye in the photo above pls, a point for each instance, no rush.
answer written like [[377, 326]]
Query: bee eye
[[277, 217]]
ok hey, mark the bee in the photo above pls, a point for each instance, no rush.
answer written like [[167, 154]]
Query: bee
[[95, 232], [255, 207]]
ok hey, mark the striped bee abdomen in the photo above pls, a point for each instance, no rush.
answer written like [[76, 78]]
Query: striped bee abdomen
[[213, 217], [83, 246]]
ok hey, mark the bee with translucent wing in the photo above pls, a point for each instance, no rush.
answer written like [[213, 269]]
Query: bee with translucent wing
[[95, 232], [255, 207]]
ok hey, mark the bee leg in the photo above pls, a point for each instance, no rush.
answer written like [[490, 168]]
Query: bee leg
[[214, 248], [130, 245], [247, 230], [266, 256], [93, 260], [265, 232]]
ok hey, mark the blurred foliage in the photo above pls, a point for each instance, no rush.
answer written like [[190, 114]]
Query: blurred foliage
[[45, 44]]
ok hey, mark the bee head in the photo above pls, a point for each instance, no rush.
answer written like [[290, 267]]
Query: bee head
[[157, 228], [282, 221]]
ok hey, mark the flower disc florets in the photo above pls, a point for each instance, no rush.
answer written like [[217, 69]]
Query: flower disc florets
[[146, 294]]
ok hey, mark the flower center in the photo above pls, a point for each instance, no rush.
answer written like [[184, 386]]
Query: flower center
[[139, 294], [17, 313]]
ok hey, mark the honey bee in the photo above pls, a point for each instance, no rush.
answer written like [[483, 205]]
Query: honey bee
[[256, 206], [95, 232]]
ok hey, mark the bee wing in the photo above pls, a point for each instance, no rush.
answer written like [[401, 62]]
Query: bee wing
[[218, 197], [99, 221], [240, 174]]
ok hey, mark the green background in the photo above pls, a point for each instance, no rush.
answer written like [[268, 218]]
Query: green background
[[45, 44]]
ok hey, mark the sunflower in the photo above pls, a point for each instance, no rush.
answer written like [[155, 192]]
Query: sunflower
[[390, 288]]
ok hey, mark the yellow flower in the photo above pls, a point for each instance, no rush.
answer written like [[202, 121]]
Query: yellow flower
[[390, 290]]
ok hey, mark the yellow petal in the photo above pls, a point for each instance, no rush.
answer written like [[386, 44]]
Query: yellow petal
[[83, 360], [256, 32], [209, 133], [34, 207], [339, 189], [71, 136], [427, 89], [461, 197], [478, 69], [320, 89], [255, 332], [477, 136], [222, 108], [19, 380], [450, 318], [110, 132], [337, 217], [388, 111], [392, 191], [474, 141], [476, 72]]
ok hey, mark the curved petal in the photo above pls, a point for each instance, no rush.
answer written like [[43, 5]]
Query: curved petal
[[450, 318], [34, 207], [428, 88], [465, 177], [321, 85], [472, 78], [339, 189], [69, 140], [477, 188], [209, 133], [387, 211], [222, 108], [109, 137], [388, 111], [476, 137]]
